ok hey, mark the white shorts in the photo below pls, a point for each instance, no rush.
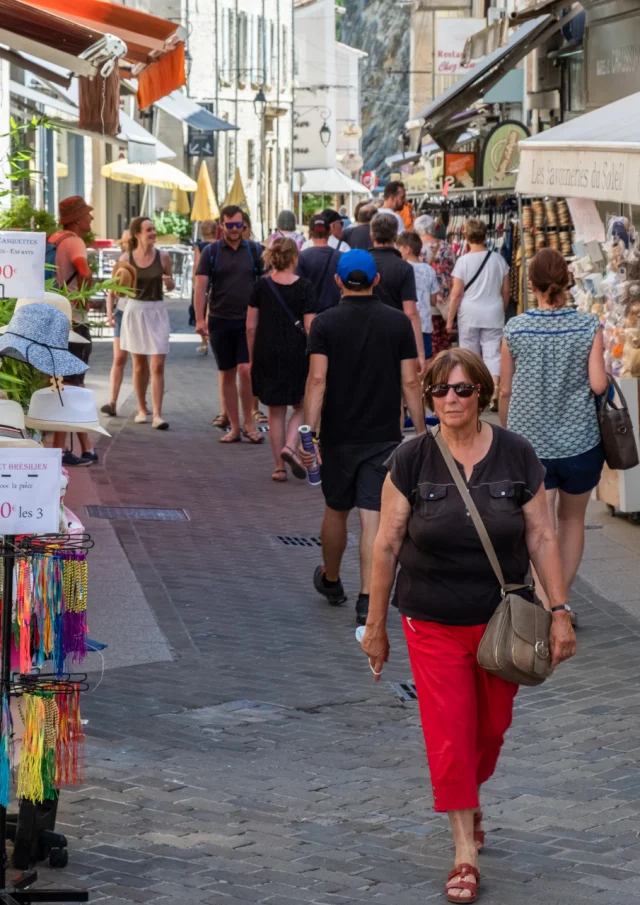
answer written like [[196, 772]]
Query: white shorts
[[485, 342]]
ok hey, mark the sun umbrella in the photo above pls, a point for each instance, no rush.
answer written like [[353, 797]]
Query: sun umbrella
[[236, 194], [181, 201], [159, 174], [205, 206]]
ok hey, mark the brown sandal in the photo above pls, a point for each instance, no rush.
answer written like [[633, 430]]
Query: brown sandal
[[252, 436], [221, 421], [279, 475], [463, 871], [478, 835]]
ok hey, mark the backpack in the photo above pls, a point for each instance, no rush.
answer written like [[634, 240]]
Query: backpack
[[255, 252], [51, 250]]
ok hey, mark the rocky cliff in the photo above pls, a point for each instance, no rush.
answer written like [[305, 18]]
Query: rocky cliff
[[381, 28]]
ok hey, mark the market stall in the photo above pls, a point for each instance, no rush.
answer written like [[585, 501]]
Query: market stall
[[596, 158]]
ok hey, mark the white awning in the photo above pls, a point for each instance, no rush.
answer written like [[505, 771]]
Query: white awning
[[185, 109], [596, 155], [327, 182]]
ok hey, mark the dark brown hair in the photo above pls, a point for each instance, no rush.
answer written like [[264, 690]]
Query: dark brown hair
[[472, 365], [475, 231], [135, 228], [230, 211], [549, 274], [281, 254], [384, 228], [391, 189], [412, 241]]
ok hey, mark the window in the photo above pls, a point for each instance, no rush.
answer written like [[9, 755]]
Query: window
[[574, 84], [287, 165], [251, 160], [274, 72], [243, 47], [260, 75], [231, 159], [284, 58]]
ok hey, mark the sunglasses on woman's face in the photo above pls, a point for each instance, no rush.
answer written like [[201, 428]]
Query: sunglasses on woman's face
[[464, 390]]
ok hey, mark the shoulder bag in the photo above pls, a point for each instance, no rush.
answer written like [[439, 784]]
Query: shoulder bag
[[515, 644], [297, 323], [478, 271], [616, 431]]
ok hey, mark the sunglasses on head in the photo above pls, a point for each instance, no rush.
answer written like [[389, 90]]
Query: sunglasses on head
[[464, 390], [234, 224]]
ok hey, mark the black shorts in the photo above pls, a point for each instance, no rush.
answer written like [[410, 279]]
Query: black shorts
[[228, 340], [575, 474], [353, 474], [81, 351]]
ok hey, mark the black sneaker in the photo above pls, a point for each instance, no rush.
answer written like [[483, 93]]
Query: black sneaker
[[335, 594], [362, 609], [91, 456], [69, 458]]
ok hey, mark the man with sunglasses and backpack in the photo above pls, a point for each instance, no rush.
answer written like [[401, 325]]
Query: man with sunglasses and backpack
[[227, 270]]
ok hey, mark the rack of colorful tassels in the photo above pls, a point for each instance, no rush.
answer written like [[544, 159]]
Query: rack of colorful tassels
[[43, 621]]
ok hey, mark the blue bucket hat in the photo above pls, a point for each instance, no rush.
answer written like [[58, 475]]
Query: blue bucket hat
[[357, 269], [39, 336]]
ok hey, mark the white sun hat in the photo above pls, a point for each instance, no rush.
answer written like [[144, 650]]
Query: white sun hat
[[12, 426], [62, 304], [72, 410]]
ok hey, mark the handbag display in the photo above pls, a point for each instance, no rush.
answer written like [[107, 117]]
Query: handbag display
[[616, 431], [515, 644]]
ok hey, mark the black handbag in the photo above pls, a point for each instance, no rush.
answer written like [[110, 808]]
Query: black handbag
[[616, 430]]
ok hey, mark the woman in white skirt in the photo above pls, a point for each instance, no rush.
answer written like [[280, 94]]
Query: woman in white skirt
[[145, 322]]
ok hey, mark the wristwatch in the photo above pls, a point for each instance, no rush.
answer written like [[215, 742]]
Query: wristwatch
[[563, 606]]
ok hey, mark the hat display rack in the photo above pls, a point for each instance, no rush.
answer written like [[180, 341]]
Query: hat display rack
[[43, 634]]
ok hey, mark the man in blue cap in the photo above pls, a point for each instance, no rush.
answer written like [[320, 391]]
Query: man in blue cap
[[363, 359]]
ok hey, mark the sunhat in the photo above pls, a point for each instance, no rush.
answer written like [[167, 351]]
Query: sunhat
[[58, 301], [71, 209], [125, 274], [72, 410], [39, 335], [12, 427]]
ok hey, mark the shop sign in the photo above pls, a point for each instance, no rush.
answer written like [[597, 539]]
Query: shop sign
[[501, 154], [451, 36], [612, 55], [370, 180], [459, 170], [22, 271], [30, 490]]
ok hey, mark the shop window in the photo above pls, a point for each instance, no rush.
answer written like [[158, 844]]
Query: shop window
[[574, 99]]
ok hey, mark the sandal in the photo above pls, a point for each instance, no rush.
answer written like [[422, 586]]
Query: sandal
[[276, 476], [297, 468], [230, 438], [478, 835], [109, 409], [221, 421], [259, 417], [252, 436], [462, 884]]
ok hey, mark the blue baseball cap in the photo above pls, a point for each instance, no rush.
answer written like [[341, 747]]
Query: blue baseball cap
[[357, 269]]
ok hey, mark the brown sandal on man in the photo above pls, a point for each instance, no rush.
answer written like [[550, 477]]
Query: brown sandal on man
[[252, 436], [462, 871], [221, 421], [230, 438], [478, 835], [259, 417]]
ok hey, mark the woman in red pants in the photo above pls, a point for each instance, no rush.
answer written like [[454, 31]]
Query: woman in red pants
[[447, 591]]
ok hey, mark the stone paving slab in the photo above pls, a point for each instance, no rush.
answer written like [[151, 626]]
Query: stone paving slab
[[261, 764]]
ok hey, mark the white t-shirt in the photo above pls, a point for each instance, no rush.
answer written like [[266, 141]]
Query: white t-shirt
[[482, 304], [402, 228], [426, 286], [332, 242]]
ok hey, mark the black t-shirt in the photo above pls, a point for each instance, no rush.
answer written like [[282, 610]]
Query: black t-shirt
[[365, 342], [236, 270], [445, 575], [397, 280], [320, 264], [359, 236]]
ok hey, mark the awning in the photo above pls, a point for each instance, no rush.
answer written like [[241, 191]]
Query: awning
[[596, 155], [161, 175], [471, 87], [185, 109], [487, 40], [327, 182], [37, 97]]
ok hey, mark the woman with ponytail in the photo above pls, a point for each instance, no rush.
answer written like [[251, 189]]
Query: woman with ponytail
[[280, 311], [552, 368]]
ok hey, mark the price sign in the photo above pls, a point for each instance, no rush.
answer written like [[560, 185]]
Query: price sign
[[30, 490], [22, 272]]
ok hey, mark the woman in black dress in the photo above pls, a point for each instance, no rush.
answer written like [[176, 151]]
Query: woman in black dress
[[280, 304]]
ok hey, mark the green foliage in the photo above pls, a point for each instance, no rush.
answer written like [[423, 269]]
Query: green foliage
[[21, 214], [313, 204], [168, 223]]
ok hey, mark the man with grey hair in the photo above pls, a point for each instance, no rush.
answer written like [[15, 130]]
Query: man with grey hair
[[397, 286]]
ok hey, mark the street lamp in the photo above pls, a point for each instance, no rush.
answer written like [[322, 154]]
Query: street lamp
[[260, 103], [325, 134]]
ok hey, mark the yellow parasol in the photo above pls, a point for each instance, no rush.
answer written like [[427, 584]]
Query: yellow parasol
[[236, 193], [181, 201], [205, 206], [159, 174]]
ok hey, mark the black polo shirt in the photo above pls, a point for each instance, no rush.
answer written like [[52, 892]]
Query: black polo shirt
[[236, 270], [319, 264], [359, 236], [445, 575], [397, 280]]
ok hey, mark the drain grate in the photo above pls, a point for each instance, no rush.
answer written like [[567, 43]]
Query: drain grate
[[406, 691], [134, 514], [592, 527], [288, 540]]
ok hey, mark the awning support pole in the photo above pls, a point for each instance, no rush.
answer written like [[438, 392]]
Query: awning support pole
[[523, 275]]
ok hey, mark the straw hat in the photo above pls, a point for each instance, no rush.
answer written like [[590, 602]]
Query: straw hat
[[39, 335], [62, 304], [126, 275], [12, 426], [72, 410], [71, 209]]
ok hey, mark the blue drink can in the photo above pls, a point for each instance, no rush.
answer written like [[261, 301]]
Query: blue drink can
[[309, 446]]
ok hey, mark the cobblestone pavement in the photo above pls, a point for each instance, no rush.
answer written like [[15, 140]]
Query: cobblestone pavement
[[261, 764]]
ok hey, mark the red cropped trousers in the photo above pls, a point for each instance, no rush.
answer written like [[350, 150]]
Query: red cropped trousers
[[465, 711]]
